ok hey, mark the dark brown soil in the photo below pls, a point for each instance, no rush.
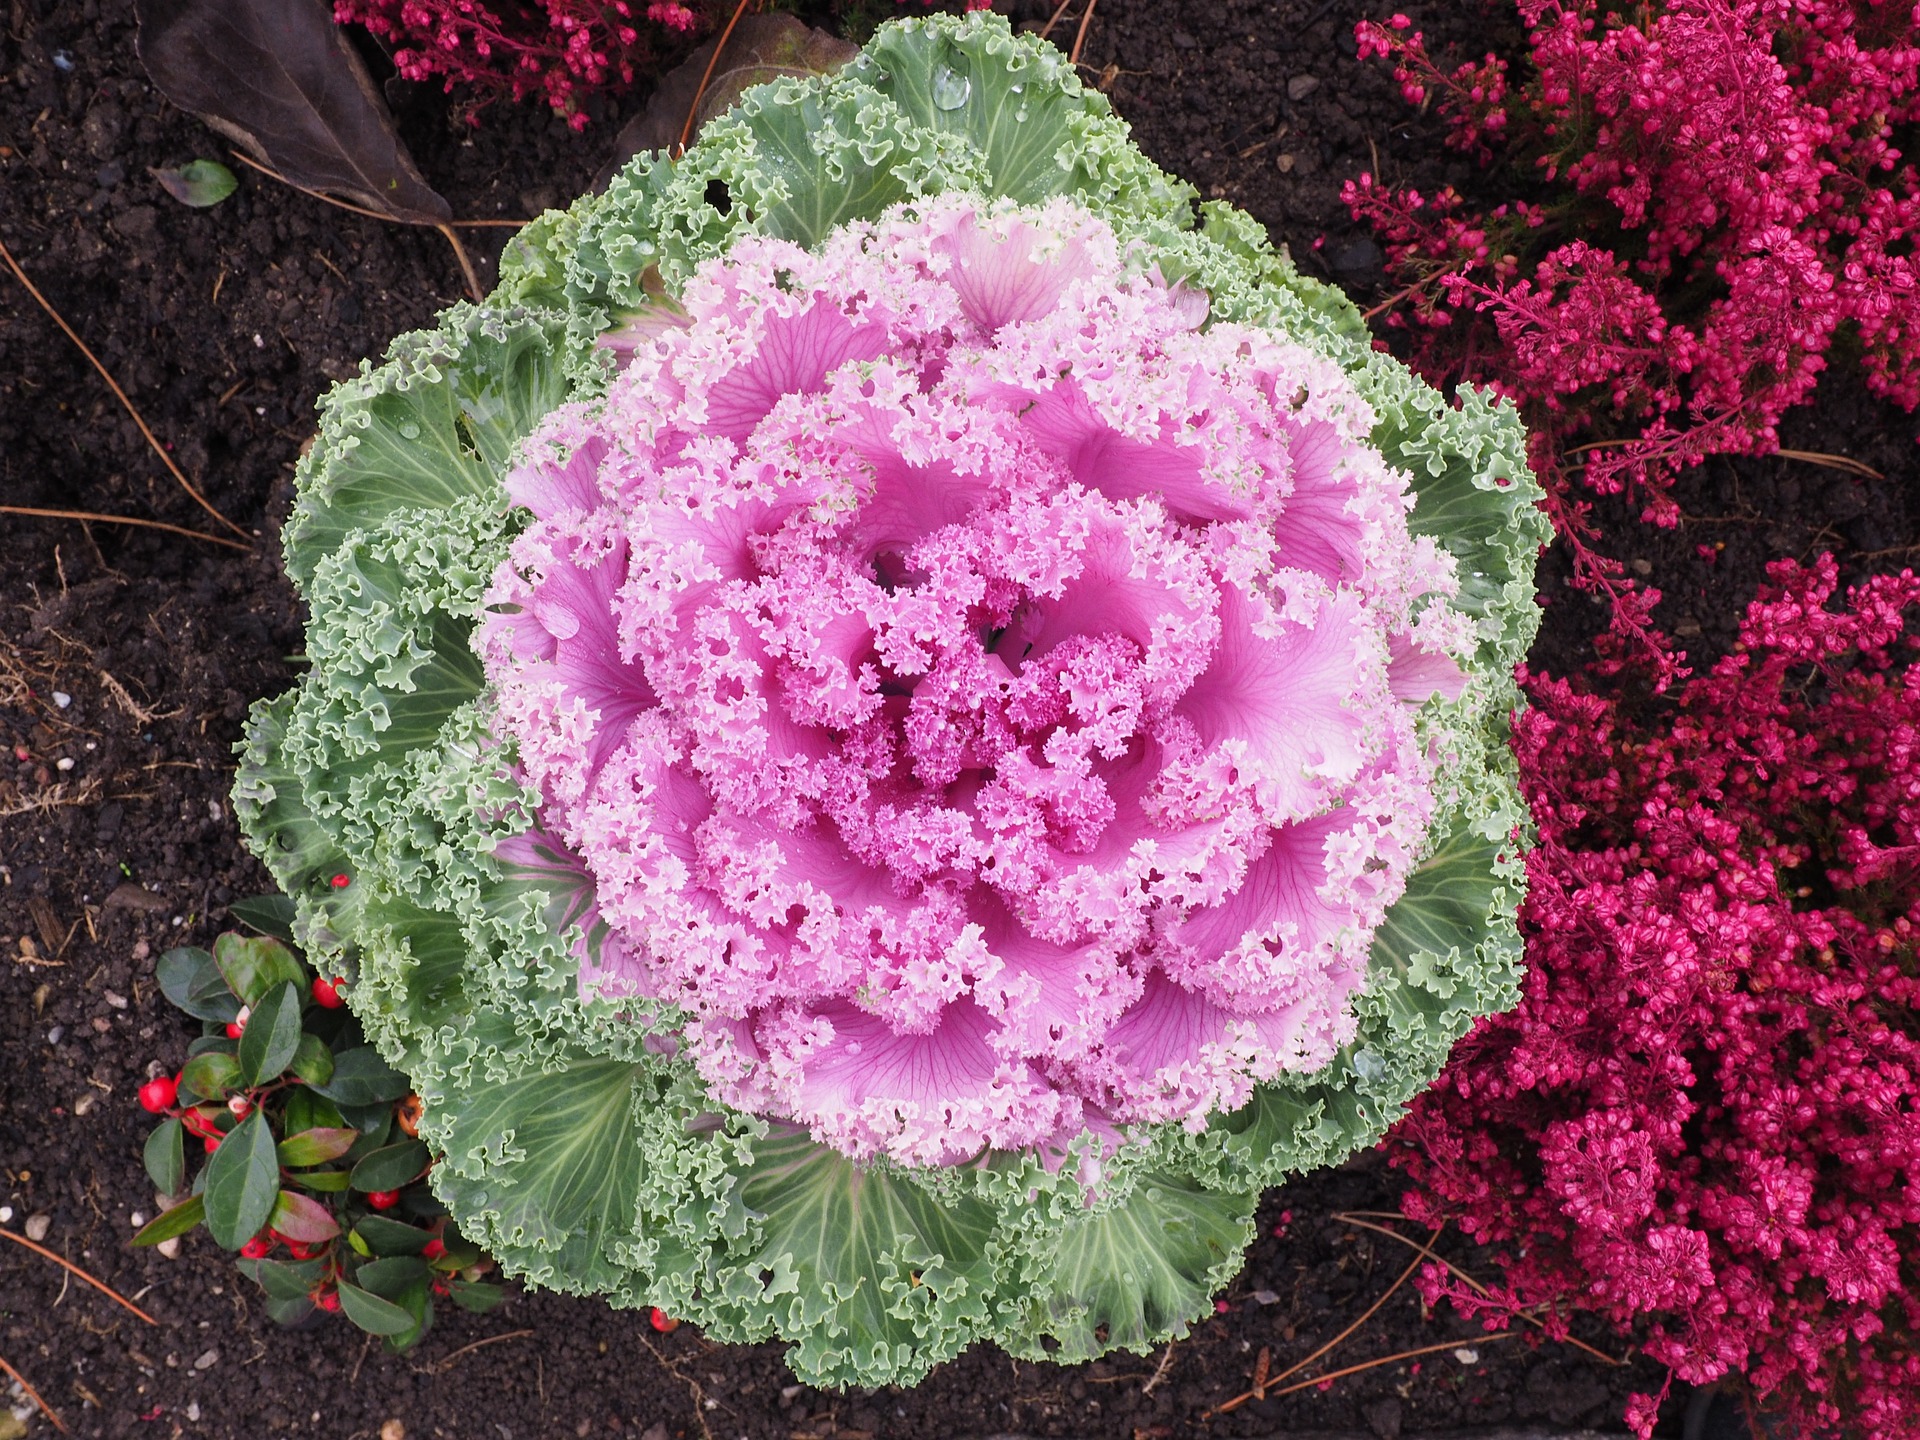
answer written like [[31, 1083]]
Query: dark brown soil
[[132, 654]]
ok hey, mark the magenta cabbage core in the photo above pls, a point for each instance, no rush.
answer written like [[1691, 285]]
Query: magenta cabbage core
[[980, 695]]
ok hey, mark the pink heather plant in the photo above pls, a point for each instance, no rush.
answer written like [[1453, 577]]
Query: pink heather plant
[[1701, 1123], [983, 699], [1715, 203], [560, 50]]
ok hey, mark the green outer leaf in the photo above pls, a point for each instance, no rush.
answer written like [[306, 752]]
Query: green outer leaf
[[253, 965], [316, 1146], [165, 1156], [391, 1168], [372, 1314], [243, 1177], [169, 1223], [1136, 1274], [361, 1077], [189, 978], [565, 1211], [271, 1036]]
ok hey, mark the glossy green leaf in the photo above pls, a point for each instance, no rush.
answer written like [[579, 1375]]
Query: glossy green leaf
[[361, 1077], [243, 1179], [282, 1280], [165, 1156], [316, 1147], [393, 1167], [211, 1075], [372, 1314], [169, 1223], [191, 980], [271, 1036], [312, 1060], [254, 964], [389, 1275], [390, 1237], [323, 1182], [475, 1296], [269, 914]]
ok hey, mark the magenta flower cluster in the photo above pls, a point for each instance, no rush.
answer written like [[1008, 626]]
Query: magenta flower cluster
[[1718, 195], [559, 50], [1703, 1121], [982, 698]]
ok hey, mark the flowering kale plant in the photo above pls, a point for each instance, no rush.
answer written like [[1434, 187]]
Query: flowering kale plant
[[912, 719], [1701, 1121], [314, 1173]]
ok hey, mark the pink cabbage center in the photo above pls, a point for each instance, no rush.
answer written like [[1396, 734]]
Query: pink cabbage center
[[978, 692]]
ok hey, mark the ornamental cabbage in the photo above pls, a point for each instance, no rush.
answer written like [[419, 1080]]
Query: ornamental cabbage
[[908, 719]]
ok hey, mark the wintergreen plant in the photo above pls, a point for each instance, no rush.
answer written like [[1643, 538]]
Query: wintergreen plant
[[901, 722]]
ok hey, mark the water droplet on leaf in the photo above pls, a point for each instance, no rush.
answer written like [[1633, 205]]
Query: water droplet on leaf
[[409, 431], [950, 88]]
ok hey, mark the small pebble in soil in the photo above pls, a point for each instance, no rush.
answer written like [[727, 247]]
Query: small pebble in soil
[[193, 1411], [1467, 1355], [393, 1430], [55, 1034], [65, 762], [62, 699], [1301, 86], [38, 1226], [6, 1214], [208, 1359], [170, 1248]]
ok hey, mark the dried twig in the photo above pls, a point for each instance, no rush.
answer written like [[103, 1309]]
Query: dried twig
[[121, 396], [1833, 462], [88, 515], [1054, 19], [33, 1395], [700, 93], [1388, 1360], [73, 1269], [446, 1362], [1080, 36], [1353, 1218], [1261, 1384]]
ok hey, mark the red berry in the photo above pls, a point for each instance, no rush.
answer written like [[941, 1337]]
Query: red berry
[[328, 1300], [662, 1321], [257, 1248], [433, 1249], [383, 1199], [326, 993], [340, 882], [234, 1027], [304, 1252], [211, 1144], [157, 1095]]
